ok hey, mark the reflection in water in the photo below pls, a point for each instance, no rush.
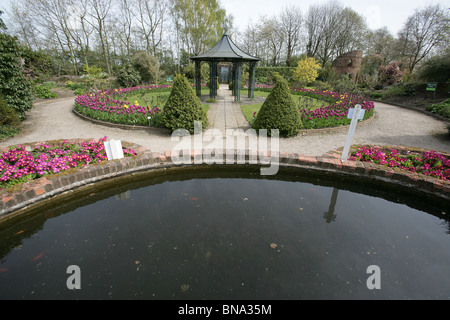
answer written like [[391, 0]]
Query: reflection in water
[[229, 235], [329, 215]]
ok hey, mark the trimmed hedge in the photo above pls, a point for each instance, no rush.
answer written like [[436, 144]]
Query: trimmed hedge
[[279, 111], [183, 107], [286, 72]]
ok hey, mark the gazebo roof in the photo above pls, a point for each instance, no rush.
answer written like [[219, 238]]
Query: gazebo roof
[[225, 50]]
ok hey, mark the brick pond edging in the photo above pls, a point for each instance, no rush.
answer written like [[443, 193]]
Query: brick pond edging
[[18, 199]]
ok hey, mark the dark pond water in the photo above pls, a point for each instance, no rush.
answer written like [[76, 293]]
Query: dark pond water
[[218, 233]]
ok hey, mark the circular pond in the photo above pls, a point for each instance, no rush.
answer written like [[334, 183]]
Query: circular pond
[[229, 233]]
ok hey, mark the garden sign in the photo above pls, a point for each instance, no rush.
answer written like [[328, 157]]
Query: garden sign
[[355, 114]]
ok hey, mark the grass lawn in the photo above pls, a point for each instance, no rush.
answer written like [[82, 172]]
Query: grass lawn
[[301, 101], [154, 98], [158, 99]]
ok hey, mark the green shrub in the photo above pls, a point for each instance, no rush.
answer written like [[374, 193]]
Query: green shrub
[[128, 77], [147, 66], [442, 109], [8, 116], [285, 72], [279, 111], [183, 107], [345, 85], [44, 91], [15, 88], [208, 83], [376, 95]]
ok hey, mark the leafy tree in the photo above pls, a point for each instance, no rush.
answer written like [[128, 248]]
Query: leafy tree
[[183, 107], [147, 66], [307, 70], [436, 69], [422, 32], [279, 111], [128, 77], [15, 88]]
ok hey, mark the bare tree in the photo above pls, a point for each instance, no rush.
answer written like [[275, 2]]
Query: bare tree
[[23, 25], [291, 21], [272, 37], [99, 13], [151, 17], [422, 32], [381, 42], [53, 16]]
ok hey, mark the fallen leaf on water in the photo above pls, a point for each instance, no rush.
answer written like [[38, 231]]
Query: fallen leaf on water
[[3, 270], [21, 231], [194, 199], [273, 245], [184, 287]]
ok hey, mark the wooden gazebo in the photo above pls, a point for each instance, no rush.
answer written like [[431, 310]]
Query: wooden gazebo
[[226, 51]]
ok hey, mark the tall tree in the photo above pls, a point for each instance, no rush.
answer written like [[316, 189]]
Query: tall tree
[[291, 21], [151, 17], [422, 32], [99, 13], [53, 17], [201, 23]]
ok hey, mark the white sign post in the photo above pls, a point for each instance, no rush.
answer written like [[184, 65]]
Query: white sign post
[[355, 114], [114, 149]]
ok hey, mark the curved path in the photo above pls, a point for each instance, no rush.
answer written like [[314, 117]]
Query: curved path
[[54, 120]]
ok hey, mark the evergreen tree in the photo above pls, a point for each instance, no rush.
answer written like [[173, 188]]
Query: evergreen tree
[[279, 111], [183, 107]]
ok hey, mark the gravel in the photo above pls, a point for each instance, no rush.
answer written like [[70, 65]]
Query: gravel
[[54, 120]]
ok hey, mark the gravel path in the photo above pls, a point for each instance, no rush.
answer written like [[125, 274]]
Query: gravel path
[[54, 120]]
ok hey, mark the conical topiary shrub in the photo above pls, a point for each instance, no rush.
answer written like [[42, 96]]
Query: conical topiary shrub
[[183, 107], [279, 111]]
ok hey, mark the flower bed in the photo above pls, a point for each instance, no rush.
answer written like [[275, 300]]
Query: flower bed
[[333, 115], [429, 163], [21, 164], [114, 106]]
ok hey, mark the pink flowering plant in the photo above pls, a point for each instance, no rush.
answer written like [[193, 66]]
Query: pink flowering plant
[[333, 115], [113, 106], [429, 163], [21, 164], [120, 105]]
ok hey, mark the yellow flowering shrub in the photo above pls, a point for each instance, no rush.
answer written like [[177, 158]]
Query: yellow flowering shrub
[[307, 71]]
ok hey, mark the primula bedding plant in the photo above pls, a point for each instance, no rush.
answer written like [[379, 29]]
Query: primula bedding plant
[[22, 164], [429, 163]]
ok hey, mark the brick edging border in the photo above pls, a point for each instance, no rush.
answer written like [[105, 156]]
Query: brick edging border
[[15, 201]]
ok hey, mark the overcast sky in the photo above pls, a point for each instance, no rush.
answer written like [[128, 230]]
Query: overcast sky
[[378, 13]]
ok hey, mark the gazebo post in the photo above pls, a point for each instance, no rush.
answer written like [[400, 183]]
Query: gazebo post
[[251, 80], [237, 81], [198, 77], [212, 79]]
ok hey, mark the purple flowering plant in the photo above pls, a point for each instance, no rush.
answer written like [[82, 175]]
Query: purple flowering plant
[[429, 163], [115, 106], [333, 115], [21, 164]]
